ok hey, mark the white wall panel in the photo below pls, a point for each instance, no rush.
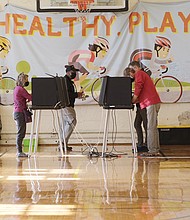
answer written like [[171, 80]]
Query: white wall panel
[[89, 117]]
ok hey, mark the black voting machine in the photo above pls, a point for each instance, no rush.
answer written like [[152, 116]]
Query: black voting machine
[[48, 93], [116, 93]]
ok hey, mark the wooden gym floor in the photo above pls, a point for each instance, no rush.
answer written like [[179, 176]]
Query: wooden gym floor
[[77, 187]]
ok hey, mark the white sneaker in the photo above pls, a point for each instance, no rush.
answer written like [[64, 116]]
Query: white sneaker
[[22, 154]]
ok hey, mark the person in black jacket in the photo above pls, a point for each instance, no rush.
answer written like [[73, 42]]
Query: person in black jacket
[[69, 114]]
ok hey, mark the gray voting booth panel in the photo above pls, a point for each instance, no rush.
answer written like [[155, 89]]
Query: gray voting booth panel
[[116, 93], [49, 93]]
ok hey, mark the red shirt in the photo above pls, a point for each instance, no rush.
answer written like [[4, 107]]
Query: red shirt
[[145, 90]]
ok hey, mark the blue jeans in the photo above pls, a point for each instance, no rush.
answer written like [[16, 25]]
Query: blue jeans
[[21, 130]]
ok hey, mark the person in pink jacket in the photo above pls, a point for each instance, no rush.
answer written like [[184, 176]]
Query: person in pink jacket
[[145, 93], [21, 97]]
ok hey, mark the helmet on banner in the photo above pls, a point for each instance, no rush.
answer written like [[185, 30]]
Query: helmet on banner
[[5, 46], [162, 41], [162, 47], [102, 43]]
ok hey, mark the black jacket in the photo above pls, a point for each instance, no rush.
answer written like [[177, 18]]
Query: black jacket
[[71, 91]]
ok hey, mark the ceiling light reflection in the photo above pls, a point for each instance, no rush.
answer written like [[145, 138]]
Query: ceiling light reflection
[[33, 173], [36, 169], [43, 210], [62, 178], [50, 210], [25, 177], [64, 171]]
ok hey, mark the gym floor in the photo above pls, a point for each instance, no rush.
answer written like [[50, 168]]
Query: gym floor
[[76, 186]]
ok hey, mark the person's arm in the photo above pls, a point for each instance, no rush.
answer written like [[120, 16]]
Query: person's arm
[[72, 95], [26, 95], [135, 99]]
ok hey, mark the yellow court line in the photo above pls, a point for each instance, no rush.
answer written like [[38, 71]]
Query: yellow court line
[[173, 126]]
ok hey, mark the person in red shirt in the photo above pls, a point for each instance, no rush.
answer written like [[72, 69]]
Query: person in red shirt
[[145, 93], [21, 97], [140, 121]]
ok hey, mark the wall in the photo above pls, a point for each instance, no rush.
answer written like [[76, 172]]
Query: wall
[[91, 118], [90, 125], [31, 4]]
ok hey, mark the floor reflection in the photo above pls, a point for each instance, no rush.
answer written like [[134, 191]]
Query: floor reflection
[[21, 191], [35, 182], [147, 183], [66, 190], [81, 187]]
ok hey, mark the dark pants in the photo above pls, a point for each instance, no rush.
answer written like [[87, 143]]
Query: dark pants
[[141, 118], [21, 130]]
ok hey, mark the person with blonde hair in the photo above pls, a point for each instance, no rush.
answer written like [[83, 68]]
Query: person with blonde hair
[[21, 97]]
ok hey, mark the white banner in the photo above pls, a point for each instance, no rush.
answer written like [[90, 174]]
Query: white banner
[[40, 44]]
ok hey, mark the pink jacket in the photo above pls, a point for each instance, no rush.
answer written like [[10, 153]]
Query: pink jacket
[[20, 97]]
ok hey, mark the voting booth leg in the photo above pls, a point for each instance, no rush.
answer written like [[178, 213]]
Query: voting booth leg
[[36, 120], [32, 131], [63, 130], [37, 130], [134, 146], [59, 133], [104, 146]]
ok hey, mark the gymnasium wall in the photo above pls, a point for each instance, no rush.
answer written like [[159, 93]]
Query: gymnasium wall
[[91, 118]]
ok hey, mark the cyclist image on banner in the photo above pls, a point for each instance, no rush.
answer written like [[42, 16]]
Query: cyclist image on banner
[[5, 46], [155, 63], [160, 57], [7, 83], [84, 60]]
